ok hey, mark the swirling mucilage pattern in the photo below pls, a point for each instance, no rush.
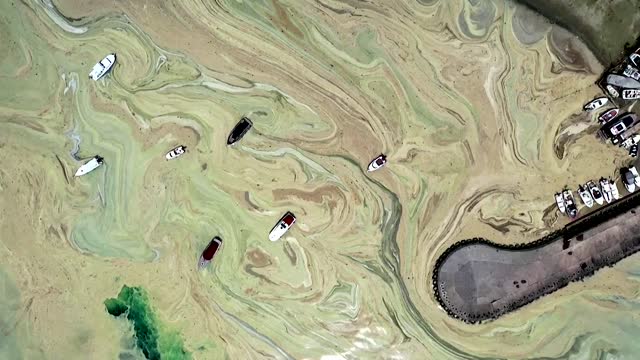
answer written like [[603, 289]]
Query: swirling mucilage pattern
[[476, 103]]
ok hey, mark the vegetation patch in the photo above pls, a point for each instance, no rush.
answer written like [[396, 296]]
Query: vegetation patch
[[154, 342]]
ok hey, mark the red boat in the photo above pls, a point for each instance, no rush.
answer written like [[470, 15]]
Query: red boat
[[608, 115], [209, 252], [282, 226]]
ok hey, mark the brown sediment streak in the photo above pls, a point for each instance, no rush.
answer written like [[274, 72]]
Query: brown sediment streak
[[476, 280], [64, 171]]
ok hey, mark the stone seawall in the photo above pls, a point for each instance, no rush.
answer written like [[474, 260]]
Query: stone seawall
[[476, 280]]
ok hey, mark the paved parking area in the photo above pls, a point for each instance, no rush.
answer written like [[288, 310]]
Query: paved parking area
[[479, 281]]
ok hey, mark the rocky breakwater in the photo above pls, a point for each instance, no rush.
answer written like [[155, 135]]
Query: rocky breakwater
[[477, 280]]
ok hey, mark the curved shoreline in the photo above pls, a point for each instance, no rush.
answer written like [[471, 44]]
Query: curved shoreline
[[606, 28], [600, 239]]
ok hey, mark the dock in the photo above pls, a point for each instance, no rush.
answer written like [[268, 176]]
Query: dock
[[476, 280]]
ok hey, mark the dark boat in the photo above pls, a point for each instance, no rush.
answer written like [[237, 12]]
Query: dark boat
[[239, 130], [209, 252]]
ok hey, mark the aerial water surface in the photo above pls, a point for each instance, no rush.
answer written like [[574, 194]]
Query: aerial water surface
[[477, 105]]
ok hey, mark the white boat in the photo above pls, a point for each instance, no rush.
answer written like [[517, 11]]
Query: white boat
[[631, 72], [596, 194], [90, 165], [377, 163], [631, 94], [282, 226], [596, 104], [614, 189], [584, 194], [612, 91], [608, 115], [628, 180], [102, 67], [634, 58], [560, 203], [633, 140], [572, 209], [606, 190], [176, 152], [636, 177]]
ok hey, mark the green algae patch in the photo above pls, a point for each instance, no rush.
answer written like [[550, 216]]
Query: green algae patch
[[154, 342]]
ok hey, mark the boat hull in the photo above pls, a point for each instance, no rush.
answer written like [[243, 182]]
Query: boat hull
[[283, 225], [239, 131], [209, 252], [176, 152], [102, 67], [89, 166], [377, 163]]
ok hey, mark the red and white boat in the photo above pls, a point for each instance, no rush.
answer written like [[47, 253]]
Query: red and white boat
[[608, 115], [209, 252], [282, 226], [377, 163]]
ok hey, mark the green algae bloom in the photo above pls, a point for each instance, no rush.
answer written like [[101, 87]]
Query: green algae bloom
[[154, 343]]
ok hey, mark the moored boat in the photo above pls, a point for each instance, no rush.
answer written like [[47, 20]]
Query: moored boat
[[631, 94], [634, 58], [636, 177], [560, 202], [176, 152], [628, 180], [90, 165], [608, 115], [606, 190], [584, 194], [596, 193], [283, 225], [102, 67], [377, 163], [614, 189], [631, 72], [572, 209], [596, 104], [239, 131], [209, 252]]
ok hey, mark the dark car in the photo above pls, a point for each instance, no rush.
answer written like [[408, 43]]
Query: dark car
[[615, 129]]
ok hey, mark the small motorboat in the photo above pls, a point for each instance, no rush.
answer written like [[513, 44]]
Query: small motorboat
[[282, 226], [239, 130], [584, 194], [209, 252], [631, 94], [631, 72], [612, 91], [176, 152], [606, 190], [628, 180], [633, 140], [614, 189], [636, 177], [102, 68], [596, 104], [572, 209], [377, 163], [560, 202], [633, 150], [608, 115], [90, 165], [596, 193], [634, 58]]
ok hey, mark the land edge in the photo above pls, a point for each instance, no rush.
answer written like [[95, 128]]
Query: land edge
[[569, 231]]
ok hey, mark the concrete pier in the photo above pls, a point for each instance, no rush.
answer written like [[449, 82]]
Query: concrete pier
[[476, 280]]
